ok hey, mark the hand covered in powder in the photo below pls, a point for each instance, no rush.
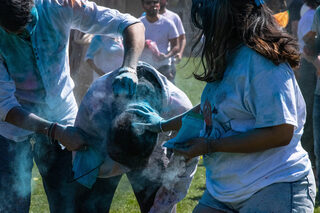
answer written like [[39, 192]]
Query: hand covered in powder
[[71, 137], [152, 119], [126, 82], [192, 148]]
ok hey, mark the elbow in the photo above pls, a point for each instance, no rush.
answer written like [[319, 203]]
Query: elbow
[[285, 134]]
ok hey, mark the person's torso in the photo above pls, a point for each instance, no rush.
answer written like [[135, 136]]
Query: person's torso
[[38, 64], [160, 32], [110, 55], [234, 177]]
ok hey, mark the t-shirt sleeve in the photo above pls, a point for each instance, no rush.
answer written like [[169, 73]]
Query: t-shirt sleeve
[[179, 25], [88, 17], [178, 103], [271, 98], [173, 32]]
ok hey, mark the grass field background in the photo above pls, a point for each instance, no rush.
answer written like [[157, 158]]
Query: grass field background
[[124, 200]]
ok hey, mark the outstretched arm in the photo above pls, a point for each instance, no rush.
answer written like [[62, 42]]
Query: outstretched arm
[[71, 137], [125, 83], [253, 141]]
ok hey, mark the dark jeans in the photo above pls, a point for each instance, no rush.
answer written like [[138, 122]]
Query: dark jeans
[[54, 165], [99, 198]]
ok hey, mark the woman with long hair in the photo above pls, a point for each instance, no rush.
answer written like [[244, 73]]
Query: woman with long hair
[[253, 112]]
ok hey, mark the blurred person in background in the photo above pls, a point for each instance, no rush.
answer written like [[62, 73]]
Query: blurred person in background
[[163, 33], [294, 8], [177, 21], [104, 54], [312, 54], [306, 77]]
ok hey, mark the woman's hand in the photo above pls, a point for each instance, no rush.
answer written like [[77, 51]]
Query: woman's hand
[[192, 148], [72, 138], [152, 119]]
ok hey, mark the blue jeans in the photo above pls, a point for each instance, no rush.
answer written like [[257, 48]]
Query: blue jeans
[[54, 165], [298, 196]]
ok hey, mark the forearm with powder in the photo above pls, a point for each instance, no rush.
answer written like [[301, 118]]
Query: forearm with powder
[[253, 141], [26, 120], [133, 39]]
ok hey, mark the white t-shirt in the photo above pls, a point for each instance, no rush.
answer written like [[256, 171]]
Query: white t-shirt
[[304, 26], [107, 53], [160, 32], [176, 19], [254, 93]]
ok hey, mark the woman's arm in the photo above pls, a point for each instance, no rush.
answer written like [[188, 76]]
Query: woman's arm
[[253, 141]]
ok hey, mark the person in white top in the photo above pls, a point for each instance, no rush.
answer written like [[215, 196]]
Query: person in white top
[[105, 54], [253, 113], [164, 34], [177, 21]]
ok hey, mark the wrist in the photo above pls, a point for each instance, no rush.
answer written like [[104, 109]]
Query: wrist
[[161, 126], [127, 69], [51, 133], [210, 145]]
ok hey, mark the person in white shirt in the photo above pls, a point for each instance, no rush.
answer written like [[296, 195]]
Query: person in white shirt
[[177, 21], [105, 54], [163, 32]]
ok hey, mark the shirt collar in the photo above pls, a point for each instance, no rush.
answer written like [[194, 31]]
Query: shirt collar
[[30, 28]]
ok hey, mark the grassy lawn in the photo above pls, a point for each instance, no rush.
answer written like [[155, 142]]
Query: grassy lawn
[[124, 200]]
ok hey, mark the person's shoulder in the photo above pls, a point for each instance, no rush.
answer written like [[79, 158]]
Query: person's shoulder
[[166, 21], [256, 63], [142, 18], [172, 14], [103, 83]]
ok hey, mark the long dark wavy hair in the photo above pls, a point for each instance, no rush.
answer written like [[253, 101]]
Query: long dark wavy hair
[[224, 24]]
